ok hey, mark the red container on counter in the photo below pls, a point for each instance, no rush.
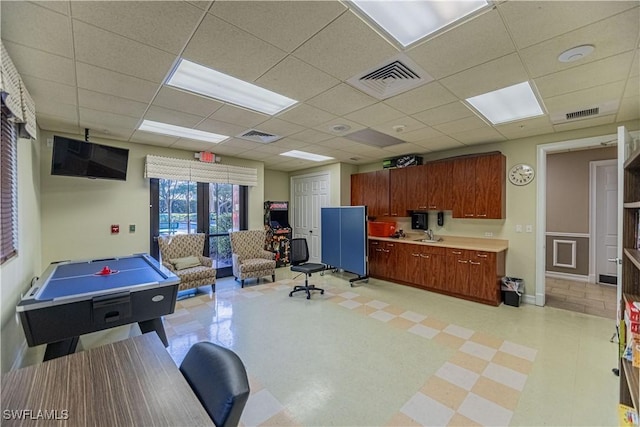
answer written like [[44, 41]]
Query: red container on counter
[[381, 228]]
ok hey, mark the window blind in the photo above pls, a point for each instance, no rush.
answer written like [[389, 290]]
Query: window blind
[[8, 187], [195, 171]]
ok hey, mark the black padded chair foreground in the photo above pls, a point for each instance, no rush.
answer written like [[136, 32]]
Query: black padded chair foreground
[[219, 379], [298, 256]]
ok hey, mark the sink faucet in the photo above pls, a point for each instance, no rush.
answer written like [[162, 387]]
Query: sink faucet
[[429, 234]]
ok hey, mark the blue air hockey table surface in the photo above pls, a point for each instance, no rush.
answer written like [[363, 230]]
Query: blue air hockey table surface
[[73, 298]]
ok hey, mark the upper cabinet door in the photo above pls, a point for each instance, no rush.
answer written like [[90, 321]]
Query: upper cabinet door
[[491, 186], [438, 188], [398, 192]]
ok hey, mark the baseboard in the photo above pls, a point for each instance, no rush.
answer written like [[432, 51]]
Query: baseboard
[[529, 299], [567, 276], [20, 355]]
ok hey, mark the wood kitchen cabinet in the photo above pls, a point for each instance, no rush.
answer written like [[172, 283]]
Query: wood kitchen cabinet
[[457, 271], [479, 186], [438, 185], [371, 189], [383, 259], [485, 271], [398, 205], [416, 188]]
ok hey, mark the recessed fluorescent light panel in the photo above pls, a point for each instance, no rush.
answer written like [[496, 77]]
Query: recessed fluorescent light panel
[[507, 104], [306, 156], [214, 84], [182, 132], [410, 21]]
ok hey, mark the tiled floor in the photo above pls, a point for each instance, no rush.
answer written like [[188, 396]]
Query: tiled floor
[[583, 297], [380, 354]]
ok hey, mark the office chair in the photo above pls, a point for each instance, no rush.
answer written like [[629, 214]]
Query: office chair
[[219, 380], [298, 257]]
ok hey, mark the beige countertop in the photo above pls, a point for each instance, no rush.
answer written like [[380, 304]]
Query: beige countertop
[[458, 242]]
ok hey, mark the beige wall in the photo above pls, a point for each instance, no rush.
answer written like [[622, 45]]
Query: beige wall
[[17, 273], [77, 212], [568, 188], [276, 185]]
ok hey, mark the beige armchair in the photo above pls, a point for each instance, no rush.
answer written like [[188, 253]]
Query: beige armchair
[[182, 254], [249, 257]]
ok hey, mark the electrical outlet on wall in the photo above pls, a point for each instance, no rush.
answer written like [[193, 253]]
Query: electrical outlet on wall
[[488, 234], [529, 228], [519, 228]]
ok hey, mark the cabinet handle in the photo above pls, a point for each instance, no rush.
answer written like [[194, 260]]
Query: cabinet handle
[[468, 215], [415, 254], [422, 207], [482, 215], [463, 261], [432, 206], [481, 255], [378, 250], [386, 250], [456, 253], [474, 263], [424, 256], [390, 245], [375, 243]]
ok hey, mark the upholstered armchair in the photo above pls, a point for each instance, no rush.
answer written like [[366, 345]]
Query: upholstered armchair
[[182, 254], [249, 257]]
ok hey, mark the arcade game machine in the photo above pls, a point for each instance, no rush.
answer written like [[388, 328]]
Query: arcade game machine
[[276, 222]]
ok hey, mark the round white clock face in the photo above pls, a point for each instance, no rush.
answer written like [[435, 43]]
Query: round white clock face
[[521, 174]]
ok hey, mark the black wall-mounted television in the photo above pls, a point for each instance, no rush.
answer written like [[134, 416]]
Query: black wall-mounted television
[[73, 157]]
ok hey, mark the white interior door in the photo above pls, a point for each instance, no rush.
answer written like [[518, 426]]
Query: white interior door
[[309, 195], [606, 221]]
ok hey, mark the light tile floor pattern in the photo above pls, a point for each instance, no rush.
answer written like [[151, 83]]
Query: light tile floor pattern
[[581, 297], [480, 384]]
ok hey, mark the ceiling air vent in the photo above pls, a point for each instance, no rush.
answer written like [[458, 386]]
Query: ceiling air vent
[[604, 109], [396, 75], [258, 136]]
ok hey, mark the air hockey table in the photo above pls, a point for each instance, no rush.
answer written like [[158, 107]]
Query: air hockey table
[[73, 298]]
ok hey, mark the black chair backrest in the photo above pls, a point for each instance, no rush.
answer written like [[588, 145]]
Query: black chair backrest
[[299, 251], [219, 379]]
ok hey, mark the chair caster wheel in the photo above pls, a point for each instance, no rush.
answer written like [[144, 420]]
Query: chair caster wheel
[[290, 294], [308, 296], [321, 292]]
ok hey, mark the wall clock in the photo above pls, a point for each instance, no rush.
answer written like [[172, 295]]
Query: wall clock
[[521, 174]]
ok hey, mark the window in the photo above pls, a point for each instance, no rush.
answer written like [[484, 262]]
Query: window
[[8, 188]]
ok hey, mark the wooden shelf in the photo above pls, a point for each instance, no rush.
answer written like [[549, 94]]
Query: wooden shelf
[[633, 380], [633, 162], [634, 256], [632, 205]]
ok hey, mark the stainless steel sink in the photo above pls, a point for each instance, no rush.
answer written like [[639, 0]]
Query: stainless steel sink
[[428, 240]]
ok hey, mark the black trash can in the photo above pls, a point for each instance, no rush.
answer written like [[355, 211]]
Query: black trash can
[[512, 289]]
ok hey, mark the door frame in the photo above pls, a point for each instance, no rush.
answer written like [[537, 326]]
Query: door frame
[[541, 197], [593, 210]]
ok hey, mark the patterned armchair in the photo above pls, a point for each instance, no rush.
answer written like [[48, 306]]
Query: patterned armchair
[[250, 259], [182, 254]]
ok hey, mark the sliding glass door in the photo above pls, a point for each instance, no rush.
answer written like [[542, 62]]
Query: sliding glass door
[[179, 207]]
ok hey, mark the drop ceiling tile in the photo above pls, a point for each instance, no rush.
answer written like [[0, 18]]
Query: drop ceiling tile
[[375, 114], [161, 24], [228, 49], [439, 143], [478, 136], [531, 22], [113, 52], [327, 127], [56, 124], [633, 88], [239, 116], [423, 98], [187, 102], [482, 39], [286, 144], [280, 127], [340, 143], [582, 99], [115, 133], [114, 83], [629, 109], [493, 75], [525, 128], [220, 127], [269, 150], [227, 149], [40, 64], [101, 120], [345, 47], [311, 136], [399, 149], [296, 79], [611, 36], [461, 125], [284, 24], [421, 134], [445, 113], [28, 24], [204, 5], [152, 139], [306, 115], [43, 90], [57, 6], [112, 104], [596, 121], [50, 107], [585, 76], [409, 125], [341, 100], [173, 117]]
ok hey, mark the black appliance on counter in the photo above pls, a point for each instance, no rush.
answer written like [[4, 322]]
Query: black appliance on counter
[[419, 220], [276, 222]]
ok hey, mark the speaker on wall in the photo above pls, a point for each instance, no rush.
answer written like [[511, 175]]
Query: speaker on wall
[[440, 219]]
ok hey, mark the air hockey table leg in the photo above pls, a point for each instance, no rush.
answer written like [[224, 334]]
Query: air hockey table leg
[[60, 348], [154, 325]]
